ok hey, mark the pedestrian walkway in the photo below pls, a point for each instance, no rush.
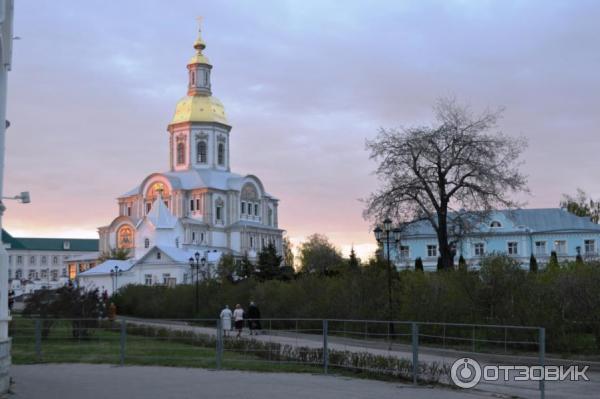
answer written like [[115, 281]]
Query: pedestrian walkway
[[90, 381]]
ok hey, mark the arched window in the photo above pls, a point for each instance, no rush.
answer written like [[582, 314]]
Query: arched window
[[201, 152], [193, 78], [221, 154], [146, 243], [125, 237], [180, 153], [495, 224]]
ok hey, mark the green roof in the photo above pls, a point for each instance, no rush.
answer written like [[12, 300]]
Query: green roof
[[49, 244]]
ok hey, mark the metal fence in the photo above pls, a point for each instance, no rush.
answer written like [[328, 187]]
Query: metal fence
[[412, 351]]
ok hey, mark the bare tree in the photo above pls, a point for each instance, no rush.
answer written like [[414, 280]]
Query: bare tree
[[447, 174]]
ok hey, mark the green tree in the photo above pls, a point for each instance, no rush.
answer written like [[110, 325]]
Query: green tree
[[318, 255], [115, 254], [245, 269], [288, 254], [533, 266], [581, 205], [462, 263], [269, 263], [353, 262], [226, 268], [553, 263], [419, 264]]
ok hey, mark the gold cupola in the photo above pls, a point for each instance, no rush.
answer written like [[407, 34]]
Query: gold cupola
[[199, 105]]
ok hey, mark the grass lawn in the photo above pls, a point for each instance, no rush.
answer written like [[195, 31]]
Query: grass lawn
[[103, 346]]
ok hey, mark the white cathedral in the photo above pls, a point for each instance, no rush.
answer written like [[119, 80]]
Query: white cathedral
[[197, 206]]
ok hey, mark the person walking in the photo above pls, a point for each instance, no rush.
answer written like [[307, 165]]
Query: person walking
[[238, 317], [253, 318], [226, 316]]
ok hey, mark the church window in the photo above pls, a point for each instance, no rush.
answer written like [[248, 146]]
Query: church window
[[192, 205], [219, 211], [146, 243], [243, 207], [158, 256], [221, 154], [193, 78], [180, 153], [251, 242], [125, 237], [495, 224], [202, 152], [201, 237], [55, 260], [270, 217], [256, 209], [129, 211], [193, 236], [197, 204], [166, 203]]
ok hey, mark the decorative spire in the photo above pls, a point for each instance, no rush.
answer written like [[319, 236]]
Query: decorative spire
[[199, 44]]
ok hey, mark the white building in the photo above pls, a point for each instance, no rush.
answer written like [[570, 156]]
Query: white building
[[35, 263], [197, 205]]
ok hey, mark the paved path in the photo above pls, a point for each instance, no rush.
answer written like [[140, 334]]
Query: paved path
[[76, 381], [528, 389]]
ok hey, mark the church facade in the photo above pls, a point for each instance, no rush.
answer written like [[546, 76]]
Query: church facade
[[198, 204]]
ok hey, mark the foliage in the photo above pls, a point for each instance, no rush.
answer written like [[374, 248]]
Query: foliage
[[565, 300], [244, 269], [353, 261], [226, 269], [462, 263], [419, 264], [581, 205], [288, 255], [269, 264], [318, 255], [67, 303], [533, 266], [116, 254], [450, 174]]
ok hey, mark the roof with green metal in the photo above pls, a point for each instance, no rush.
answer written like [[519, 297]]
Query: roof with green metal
[[49, 244]]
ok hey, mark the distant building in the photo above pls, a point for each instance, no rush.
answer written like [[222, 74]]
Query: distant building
[[42, 262], [516, 233]]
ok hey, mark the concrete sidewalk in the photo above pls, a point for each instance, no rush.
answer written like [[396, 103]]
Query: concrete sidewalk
[[75, 381]]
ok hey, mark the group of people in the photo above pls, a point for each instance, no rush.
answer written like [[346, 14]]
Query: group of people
[[251, 316]]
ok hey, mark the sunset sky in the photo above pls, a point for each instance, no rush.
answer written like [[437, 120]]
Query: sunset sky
[[304, 83]]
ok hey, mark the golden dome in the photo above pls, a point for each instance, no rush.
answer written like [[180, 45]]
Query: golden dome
[[199, 109], [199, 58]]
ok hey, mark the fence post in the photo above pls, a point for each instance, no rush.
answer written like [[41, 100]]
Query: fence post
[[219, 343], [38, 339], [542, 345], [325, 349], [123, 340], [415, 352]]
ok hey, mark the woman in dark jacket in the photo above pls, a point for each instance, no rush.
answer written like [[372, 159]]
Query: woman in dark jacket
[[253, 317]]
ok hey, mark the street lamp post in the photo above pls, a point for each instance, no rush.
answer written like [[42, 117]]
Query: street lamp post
[[195, 264], [115, 272], [383, 237]]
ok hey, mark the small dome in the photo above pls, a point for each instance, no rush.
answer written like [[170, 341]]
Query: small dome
[[199, 109], [199, 58]]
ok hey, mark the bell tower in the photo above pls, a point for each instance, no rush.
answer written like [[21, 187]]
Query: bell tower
[[199, 130]]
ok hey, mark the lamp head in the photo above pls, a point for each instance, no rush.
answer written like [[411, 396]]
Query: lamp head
[[377, 232], [191, 262], [387, 225], [197, 256]]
